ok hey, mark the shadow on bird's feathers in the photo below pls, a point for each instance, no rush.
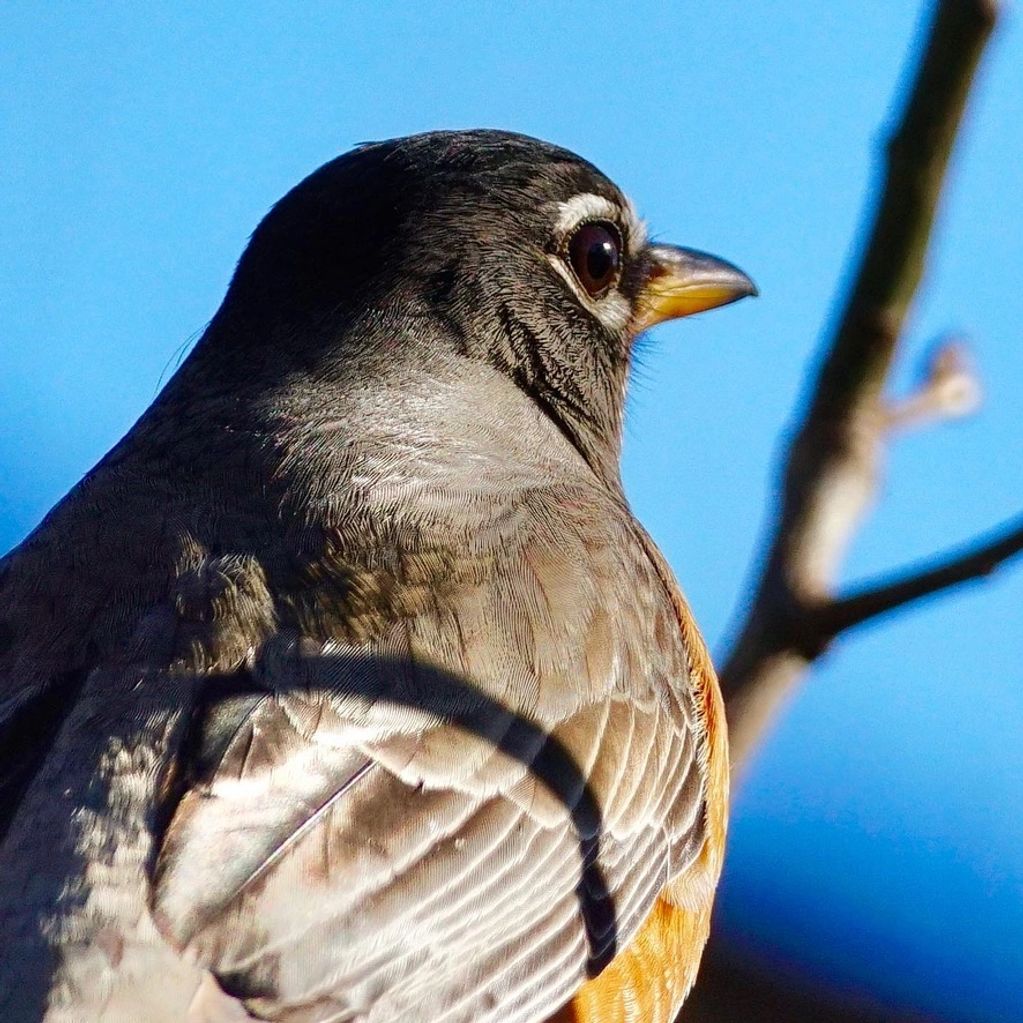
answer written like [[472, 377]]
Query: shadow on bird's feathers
[[222, 707], [228, 702]]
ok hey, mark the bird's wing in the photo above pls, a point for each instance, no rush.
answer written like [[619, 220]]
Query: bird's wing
[[458, 819]]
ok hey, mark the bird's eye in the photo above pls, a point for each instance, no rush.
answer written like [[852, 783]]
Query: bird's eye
[[595, 254]]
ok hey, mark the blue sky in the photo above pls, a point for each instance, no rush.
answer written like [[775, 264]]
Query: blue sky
[[879, 838]]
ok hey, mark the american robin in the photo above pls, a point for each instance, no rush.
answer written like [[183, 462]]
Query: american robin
[[346, 686]]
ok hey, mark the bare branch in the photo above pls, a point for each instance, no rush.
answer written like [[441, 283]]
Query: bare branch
[[830, 476], [979, 560]]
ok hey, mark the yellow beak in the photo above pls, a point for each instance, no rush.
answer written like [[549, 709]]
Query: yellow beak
[[683, 281]]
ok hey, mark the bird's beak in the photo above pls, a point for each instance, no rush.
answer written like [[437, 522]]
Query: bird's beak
[[683, 281]]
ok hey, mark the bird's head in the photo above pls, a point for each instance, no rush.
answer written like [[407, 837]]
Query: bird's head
[[479, 245]]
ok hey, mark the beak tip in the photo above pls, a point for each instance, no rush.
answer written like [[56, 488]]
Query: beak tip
[[737, 281]]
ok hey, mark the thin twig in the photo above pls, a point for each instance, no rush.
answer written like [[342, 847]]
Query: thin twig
[[980, 560], [950, 389]]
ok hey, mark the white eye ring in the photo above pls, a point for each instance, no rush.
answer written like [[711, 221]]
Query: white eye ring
[[609, 306], [583, 207], [570, 214]]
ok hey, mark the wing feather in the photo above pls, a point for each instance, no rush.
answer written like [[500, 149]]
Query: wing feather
[[403, 841]]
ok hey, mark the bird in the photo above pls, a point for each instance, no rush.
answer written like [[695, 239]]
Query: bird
[[346, 686]]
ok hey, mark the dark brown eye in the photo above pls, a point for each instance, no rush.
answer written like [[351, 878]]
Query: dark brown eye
[[595, 252]]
